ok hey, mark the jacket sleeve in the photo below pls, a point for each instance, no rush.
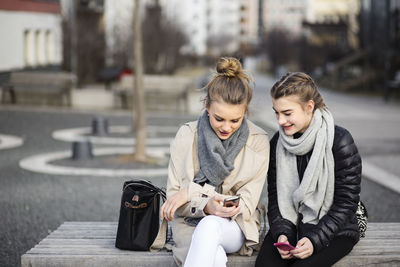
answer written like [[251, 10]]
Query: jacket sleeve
[[179, 177], [251, 190], [347, 190], [278, 225]]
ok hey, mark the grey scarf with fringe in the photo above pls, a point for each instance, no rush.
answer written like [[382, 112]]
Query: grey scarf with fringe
[[314, 195], [216, 157]]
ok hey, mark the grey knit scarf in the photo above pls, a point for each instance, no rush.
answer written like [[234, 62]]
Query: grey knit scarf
[[314, 195], [216, 157]]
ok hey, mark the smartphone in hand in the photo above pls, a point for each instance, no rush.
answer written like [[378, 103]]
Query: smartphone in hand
[[284, 246], [232, 201]]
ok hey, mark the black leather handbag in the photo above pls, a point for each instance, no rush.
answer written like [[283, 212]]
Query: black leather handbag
[[139, 220]]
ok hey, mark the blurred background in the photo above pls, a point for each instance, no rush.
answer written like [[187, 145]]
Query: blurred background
[[348, 45], [70, 72]]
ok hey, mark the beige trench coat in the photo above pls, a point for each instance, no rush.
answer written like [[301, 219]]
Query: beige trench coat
[[247, 179]]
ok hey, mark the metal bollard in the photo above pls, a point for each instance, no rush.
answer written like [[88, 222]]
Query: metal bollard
[[82, 150], [99, 126]]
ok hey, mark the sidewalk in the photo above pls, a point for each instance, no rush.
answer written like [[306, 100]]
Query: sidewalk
[[374, 124]]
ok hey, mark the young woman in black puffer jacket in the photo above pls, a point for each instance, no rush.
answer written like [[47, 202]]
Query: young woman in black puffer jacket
[[313, 180]]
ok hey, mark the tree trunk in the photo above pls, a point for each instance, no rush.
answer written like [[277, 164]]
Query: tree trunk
[[139, 109]]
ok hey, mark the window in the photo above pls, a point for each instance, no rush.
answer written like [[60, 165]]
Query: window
[[49, 44], [40, 49], [29, 48]]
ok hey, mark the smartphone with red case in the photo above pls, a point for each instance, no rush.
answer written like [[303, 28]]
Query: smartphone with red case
[[284, 246]]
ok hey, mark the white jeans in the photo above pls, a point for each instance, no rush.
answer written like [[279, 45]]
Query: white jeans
[[211, 240]]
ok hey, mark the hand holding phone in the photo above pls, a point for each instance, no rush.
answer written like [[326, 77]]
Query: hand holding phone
[[232, 201], [284, 246]]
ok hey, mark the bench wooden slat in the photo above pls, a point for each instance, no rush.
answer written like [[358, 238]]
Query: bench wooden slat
[[99, 260], [86, 230], [111, 241], [99, 250], [89, 230], [93, 244], [90, 223], [56, 242], [377, 228], [371, 225], [81, 237], [84, 251]]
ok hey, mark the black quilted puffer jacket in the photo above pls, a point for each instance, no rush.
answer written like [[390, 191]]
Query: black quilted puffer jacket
[[340, 219]]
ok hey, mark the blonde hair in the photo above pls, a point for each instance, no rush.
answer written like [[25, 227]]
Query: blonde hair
[[301, 85], [230, 83]]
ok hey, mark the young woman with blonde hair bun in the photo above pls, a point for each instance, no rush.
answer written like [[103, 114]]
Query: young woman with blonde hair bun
[[220, 155]]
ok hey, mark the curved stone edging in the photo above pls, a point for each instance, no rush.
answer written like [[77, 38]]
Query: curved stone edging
[[10, 141], [41, 163], [78, 134]]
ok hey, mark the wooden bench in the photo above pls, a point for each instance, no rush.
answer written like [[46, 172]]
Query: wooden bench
[[162, 92], [42, 87], [92, 244]]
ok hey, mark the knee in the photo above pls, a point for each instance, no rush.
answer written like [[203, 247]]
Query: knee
[[209, 226]]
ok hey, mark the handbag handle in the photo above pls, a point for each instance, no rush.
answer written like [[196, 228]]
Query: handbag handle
[[147, 184]]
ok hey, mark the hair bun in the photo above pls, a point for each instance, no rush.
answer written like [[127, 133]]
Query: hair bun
[[229, 66]]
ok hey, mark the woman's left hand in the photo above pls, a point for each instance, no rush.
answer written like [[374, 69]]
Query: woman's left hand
[[173, 203], [304, 249]]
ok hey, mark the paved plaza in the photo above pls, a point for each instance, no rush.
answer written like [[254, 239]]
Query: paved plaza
[[34, 202]]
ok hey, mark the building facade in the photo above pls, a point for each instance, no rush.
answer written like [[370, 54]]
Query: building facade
[[191, 16], [250, 23], [211, 26], [31, 34], [215, 27], [336, 12], [292, 15], [286, 15]]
